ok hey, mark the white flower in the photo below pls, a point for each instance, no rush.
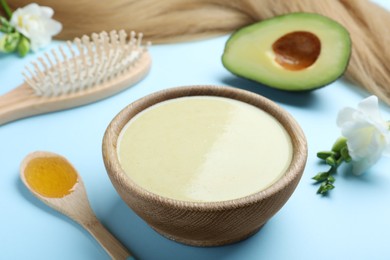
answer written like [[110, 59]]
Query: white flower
[[368, 135], [34, 22]]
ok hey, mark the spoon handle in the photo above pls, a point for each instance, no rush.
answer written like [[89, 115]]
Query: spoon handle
[[112, 246]]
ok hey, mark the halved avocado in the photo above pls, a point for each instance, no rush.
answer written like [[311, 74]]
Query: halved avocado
[[295, 52]]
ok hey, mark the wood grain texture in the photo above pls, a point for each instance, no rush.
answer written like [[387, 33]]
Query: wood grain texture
[[22, 102], [76, 206], [205, 223]]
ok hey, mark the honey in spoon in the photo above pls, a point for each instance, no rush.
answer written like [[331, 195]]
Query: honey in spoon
[[51, 177], [53, 180]]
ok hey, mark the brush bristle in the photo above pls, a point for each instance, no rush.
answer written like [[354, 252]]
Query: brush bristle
[[87, 62]]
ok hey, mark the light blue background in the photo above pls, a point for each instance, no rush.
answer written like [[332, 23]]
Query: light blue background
[[352, 223]]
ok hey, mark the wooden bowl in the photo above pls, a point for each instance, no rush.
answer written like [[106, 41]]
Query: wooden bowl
[[205, 223]]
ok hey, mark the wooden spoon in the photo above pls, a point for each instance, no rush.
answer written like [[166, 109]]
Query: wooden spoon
[[73, 203]]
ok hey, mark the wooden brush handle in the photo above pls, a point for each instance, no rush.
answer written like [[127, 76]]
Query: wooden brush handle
[[16, 104], [112, 246]]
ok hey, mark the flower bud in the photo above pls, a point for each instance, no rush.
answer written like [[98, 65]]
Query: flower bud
[[331, 179], [340, 143], [325, 187], [23, 46], [325, 154], [321, 176], [345, 154], [9, 42], [331, 161]]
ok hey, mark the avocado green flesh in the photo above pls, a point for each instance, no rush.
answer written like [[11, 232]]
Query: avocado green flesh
[[248, 52]]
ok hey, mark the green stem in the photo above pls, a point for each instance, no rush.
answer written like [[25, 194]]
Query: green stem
[[6, 8], [334, 159]]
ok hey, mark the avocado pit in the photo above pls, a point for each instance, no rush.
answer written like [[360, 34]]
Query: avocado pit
[[297, 50], [293, 52]]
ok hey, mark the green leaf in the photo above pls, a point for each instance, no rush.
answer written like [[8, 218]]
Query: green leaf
[[4, 21], [23, 46], [5, 27]]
